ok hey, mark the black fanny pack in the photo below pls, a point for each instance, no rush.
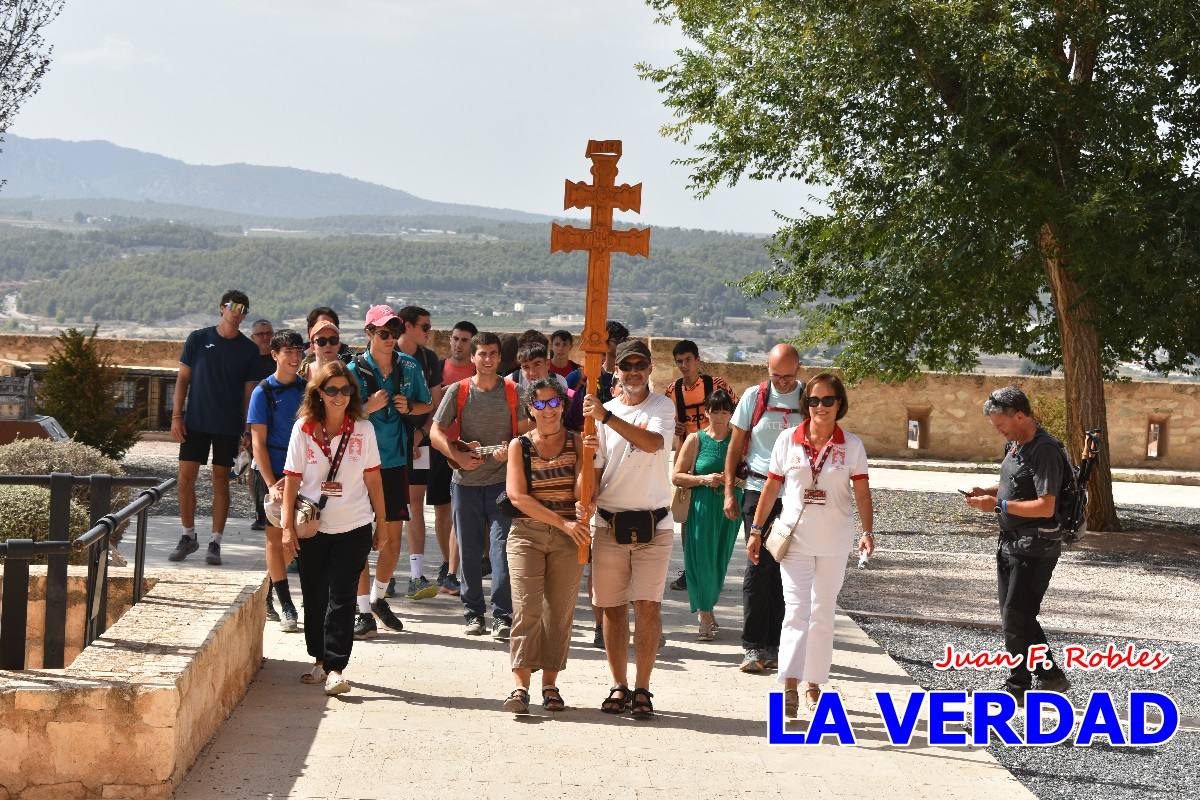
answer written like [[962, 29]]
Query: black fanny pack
[[634, 526]]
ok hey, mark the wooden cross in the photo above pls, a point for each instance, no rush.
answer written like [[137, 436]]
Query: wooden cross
[[600, 241]]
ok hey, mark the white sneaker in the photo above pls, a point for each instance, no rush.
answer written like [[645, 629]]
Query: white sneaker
[[336, 684]]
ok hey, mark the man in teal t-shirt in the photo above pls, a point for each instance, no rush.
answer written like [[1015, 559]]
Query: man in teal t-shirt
[[393, 387]]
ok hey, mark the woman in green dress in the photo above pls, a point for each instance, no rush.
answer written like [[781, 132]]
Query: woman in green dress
[[700, 466]]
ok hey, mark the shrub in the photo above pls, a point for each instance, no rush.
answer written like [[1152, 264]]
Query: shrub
[[1051, 411], [79, 390], [25, 514], [44, 456]]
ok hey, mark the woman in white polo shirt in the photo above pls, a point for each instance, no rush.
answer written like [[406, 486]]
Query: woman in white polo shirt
[[819, 468], [330, 429]]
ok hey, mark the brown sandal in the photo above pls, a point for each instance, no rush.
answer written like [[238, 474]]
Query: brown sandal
[[811, 695], [552, 699], [791, 703]]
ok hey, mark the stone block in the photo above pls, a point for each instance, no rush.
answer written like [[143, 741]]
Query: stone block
[[58, 791], [37, 699]]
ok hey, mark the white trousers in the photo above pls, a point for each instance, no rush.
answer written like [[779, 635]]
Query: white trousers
[[810, 589]]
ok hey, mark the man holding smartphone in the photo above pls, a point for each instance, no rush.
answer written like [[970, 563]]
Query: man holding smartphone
[[1024, 501]]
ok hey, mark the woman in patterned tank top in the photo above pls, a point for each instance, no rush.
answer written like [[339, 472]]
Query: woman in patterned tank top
[[543, 545]]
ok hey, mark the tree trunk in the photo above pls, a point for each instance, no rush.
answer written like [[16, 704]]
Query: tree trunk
[[1083, 377]]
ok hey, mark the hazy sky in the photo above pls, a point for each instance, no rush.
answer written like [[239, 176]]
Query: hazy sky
[[468, 101]]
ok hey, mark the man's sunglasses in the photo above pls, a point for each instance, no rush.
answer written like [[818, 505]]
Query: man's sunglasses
[[427, 327], [828, 401], [263, 333], [633, 366], [386, 333], [541, 405], [237, 308], [324, 341], [334, 391]]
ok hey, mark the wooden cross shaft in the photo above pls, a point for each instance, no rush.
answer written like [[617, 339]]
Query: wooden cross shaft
[[600, 241]]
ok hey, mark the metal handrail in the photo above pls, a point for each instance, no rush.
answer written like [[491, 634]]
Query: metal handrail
[[110, 522]]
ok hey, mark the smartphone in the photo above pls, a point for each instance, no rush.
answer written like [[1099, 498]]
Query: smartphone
[[963, 492]]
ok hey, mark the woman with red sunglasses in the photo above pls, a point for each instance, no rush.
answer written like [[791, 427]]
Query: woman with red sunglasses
[[333, 462]]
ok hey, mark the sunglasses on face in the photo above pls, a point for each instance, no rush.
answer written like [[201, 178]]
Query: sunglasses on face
[[237, 308], [387, 333], [425, 326], [633, 366], [334, 391], [263, 333], [828, 401], [326, 341], [541, 405]]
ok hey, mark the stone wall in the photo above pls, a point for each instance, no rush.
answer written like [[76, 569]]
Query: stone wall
[[129, 716], [947, 406], [120, 598]]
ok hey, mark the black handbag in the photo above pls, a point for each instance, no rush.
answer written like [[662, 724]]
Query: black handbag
[[503, 504]]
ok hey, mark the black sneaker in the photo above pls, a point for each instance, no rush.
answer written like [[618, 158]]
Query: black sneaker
[[1016, 691], [598, 637], [475, 626], [391, 588], [384, 612], [187, 545], [272, 614], [680, 583], [364, 627], [501, 629], [1059, 683], [443, 571], [213, 556]]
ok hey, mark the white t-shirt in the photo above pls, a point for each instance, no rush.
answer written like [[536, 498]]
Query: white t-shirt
[[306, 459], [634, 480], [824, 530]]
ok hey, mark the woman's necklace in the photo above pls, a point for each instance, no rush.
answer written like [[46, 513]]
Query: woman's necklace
[[546, 439]]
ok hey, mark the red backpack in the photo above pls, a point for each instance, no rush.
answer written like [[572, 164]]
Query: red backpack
[[510, 393]]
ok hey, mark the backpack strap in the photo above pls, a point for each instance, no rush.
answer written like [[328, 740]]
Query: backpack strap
[[269, 392], [760, 404], [366, 375], [527, 457], [510, 396], [708, 386], [680, 408]]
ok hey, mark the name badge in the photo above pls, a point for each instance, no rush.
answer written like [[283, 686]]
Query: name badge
[[331, 488], [814, 497]]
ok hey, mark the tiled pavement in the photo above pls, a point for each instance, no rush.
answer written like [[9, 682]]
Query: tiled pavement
[[424, 719]]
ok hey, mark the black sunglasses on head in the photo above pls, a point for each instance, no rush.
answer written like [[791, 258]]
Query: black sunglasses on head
[[334, 391], [323, 341], [828, 401]]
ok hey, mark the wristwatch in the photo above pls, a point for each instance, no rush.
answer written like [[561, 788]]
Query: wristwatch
[[755, 530], [608, 414]]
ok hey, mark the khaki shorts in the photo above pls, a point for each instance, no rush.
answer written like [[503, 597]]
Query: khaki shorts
[[624, 573]]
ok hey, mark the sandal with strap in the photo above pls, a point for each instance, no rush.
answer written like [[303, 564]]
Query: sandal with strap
[[811, 695], [613, 704], [517, 701], [708, 632], [552, 699], [641, 705], [791, 703]]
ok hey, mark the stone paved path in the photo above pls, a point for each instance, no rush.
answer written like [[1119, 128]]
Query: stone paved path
[[424, 719]]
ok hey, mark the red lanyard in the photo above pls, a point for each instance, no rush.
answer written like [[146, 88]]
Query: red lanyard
[[820, 463], [323, 443]]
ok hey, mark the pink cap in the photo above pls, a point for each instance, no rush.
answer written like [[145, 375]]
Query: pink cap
[[381, 315], [321, 325]]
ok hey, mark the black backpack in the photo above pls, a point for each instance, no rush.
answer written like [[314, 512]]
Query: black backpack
[[1071, 505]]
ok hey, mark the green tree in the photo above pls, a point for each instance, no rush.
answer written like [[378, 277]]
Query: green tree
[[80, 391], [1012, 176], [24, 54]]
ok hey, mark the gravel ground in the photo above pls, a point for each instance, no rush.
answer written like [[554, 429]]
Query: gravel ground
[[1065, 772], [161, 460]]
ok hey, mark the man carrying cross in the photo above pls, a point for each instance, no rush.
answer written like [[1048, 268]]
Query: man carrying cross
[[634, 531]]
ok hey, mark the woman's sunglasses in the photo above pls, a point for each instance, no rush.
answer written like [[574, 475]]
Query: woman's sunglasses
[[541, 405], [324, 341], [828, 401], [334, 391]]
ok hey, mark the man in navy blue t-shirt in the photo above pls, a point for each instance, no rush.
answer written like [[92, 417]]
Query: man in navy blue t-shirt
[[216, 376]]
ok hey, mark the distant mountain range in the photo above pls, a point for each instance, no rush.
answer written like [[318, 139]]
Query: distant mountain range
[[53, 169]]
